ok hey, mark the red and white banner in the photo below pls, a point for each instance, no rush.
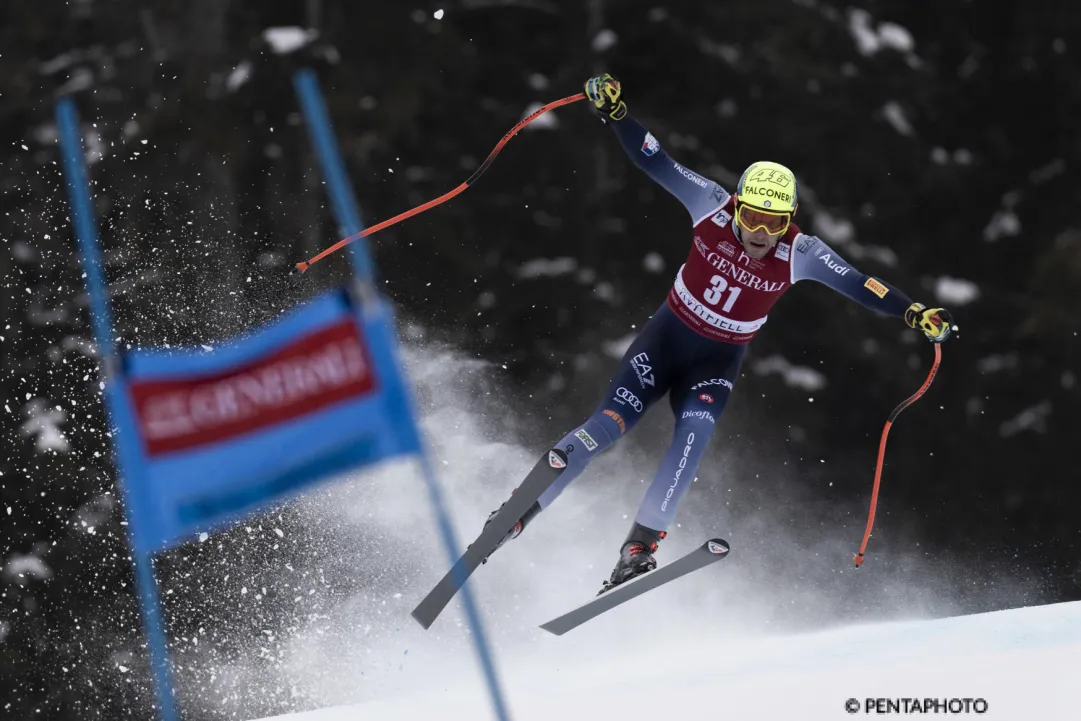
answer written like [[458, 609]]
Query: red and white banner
[[314, 371]]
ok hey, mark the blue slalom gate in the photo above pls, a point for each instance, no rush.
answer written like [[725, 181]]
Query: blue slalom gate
[[205, 438]]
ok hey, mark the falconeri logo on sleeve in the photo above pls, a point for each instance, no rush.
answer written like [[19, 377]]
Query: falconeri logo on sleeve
[[875, 287], [690, 176]]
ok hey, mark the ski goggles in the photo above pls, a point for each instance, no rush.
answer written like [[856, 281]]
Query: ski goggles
[[752, 219]]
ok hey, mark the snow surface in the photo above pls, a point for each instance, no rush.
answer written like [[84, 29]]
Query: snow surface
[[770, 633], [1002, 223], [548, 121], [888, 35], [547, 267], [285, 40], [20, 565], [43, 423], [604, 40], [956, 291], [238, 76], [895, 116], [1022, 662], [795, 376]]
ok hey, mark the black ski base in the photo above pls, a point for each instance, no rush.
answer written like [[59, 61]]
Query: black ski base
[[543, 475], [708, 553]]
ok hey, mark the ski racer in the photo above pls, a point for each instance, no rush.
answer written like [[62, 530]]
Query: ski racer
[[746, 253]]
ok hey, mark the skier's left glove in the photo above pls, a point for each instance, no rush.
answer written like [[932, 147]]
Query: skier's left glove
[[606, 95], [936, 323]]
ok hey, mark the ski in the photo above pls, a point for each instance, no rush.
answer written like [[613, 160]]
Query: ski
[[543, 475], [709, 552]]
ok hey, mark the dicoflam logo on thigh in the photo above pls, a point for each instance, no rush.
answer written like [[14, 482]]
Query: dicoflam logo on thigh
[[705, 415]]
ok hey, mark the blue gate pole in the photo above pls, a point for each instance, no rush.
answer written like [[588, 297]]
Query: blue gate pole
[[342, 199], [343, 204], [82, 214]]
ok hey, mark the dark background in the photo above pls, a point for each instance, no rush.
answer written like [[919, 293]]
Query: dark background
[[934, 143]]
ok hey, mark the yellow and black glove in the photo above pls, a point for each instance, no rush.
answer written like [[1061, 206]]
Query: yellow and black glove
[[606, 95], [936, 323]]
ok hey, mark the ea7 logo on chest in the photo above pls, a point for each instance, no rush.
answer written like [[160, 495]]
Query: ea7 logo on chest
[[642, 369], [834, 266], [722, 218]]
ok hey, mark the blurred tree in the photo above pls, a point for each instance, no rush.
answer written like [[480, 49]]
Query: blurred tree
[[937, 150]]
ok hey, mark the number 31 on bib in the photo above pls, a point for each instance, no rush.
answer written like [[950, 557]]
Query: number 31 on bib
[[718, 286]]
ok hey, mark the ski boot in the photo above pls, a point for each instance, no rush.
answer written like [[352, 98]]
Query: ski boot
[[516, 529], [635, 557]]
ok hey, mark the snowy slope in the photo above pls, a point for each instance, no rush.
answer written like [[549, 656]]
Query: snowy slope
[[784, 629], [1024, 662]]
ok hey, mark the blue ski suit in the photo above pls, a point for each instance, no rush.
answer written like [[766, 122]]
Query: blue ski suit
[[681, 349]]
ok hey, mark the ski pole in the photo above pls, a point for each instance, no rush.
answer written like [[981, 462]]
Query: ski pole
[[304, 265], [858, 559]]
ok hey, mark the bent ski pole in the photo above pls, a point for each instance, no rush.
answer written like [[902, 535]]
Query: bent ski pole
[[304, 265], [858, 559]]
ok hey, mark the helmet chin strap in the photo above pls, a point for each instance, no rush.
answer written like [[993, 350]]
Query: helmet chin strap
[[737, 229], [739, 235]]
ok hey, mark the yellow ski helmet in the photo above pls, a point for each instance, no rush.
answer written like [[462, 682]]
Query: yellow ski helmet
[[768, 186]]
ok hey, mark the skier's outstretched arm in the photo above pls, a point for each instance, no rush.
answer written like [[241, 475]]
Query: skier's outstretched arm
[[700, 196], [813, 259]]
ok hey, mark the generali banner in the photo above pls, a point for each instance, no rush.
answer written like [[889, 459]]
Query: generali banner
[[308, 374]]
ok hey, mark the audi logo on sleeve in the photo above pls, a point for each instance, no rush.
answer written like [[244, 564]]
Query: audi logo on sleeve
[[626, 398]]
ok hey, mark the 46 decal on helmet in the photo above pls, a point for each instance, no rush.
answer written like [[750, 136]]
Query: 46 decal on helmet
[[766, 198]]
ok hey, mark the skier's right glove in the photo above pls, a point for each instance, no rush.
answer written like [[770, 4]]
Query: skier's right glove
[[936, 323], [606, 95]]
